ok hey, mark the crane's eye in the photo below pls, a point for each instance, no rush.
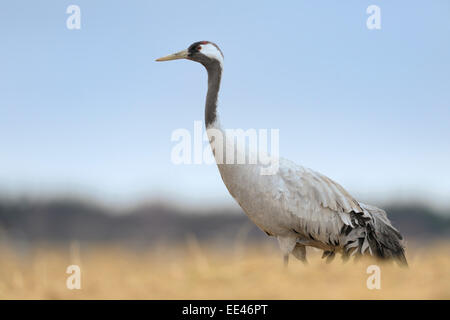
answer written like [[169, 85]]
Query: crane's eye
[[199, 48]]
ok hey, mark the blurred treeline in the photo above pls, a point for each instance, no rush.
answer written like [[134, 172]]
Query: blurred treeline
[[65, 220]]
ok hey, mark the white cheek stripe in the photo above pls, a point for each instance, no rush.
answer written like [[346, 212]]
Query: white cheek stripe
[[212, 52]]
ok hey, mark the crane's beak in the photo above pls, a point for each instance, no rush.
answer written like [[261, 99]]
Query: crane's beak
[[179, 55]]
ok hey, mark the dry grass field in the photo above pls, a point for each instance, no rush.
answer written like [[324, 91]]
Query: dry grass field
[[195, 271]]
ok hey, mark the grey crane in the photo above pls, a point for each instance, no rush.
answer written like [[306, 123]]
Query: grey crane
[[298, 206]]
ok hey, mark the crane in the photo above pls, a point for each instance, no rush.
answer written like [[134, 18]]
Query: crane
[[297, 205]]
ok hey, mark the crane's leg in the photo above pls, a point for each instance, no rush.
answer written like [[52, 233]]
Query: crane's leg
[[287, 244], [286, 260], [300, 253]]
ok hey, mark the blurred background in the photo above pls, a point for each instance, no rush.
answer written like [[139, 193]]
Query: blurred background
[[86, 118]]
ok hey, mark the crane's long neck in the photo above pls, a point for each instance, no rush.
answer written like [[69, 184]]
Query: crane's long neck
[[213, 127], [214, 77]]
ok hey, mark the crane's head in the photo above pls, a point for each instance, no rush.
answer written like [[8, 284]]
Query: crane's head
[[205, 52]]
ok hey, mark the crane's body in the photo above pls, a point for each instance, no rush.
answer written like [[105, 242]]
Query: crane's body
[[297, 205]]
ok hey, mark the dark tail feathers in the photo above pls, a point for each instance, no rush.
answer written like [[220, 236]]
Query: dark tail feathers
[[385, 241]]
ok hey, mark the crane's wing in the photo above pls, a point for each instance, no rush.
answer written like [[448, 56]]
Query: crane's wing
[[320, 206], [321, 210]]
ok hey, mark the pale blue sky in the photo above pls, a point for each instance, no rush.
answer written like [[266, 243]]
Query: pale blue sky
[[89, 111]]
